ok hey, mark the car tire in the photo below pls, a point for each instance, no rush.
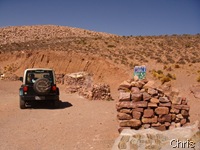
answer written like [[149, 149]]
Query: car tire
[[22, 104], [42, 86]]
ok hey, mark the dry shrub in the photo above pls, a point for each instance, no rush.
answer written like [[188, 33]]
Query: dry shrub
[[162, 77]]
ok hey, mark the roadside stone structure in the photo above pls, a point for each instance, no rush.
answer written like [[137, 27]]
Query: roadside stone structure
[[141, 105], [82, 83]]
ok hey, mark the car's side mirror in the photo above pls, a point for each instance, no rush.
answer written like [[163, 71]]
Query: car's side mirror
[[21, 79]]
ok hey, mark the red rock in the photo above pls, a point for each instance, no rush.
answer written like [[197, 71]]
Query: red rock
[[149, 84], [125, 104], [139, 109], [142, 104], [124, 116], [165, 104], [162, 110], [139, 84], [134, 123], [135, 90], [152, 91], [136, 97], [150, 120], [184, 101], [124, 96], [185, 107], [165, 118], [173, 117], [154, 100], [152, 105], [185, 113], [156, 124], [124, 86], [161, 127], [174, 110], [146, 96], [183, 121], [148, 113], [136, 114], [179, 116], [127, 111], [163, 99]]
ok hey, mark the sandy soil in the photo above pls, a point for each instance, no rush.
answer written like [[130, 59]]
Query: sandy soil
[[78, 124]]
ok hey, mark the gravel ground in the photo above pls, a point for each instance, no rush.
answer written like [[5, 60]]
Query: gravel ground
[[78, 124]]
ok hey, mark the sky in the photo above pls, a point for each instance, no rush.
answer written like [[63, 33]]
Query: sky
[[121, 17]]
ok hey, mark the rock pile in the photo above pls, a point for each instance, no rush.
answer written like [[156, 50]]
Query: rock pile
[[9, 77], [142, 105], [60, 78], [82, 83], [97, 92]]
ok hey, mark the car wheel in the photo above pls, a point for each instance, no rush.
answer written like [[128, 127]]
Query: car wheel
[[22, 104], [42, 86]]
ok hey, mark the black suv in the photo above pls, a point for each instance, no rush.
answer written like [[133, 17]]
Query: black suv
[[38, 84]]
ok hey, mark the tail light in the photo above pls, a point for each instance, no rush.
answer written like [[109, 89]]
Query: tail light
[[25, 88], [53, 88]]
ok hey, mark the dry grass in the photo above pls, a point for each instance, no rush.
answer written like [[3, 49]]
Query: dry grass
[[162, 77]]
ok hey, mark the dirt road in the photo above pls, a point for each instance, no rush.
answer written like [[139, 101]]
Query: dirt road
[[78, 124]]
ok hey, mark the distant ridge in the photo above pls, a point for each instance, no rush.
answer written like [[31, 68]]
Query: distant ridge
[[15, 34]]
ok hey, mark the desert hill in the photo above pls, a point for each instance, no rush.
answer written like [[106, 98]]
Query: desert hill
[[110, 58]]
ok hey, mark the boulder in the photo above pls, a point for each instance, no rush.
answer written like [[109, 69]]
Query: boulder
[[136, 97], [135, 90], [162, 110], [148, 113], [149, 84], [125, 86], [134, 123], [136, 114], [154, 100], [165, 118], [152, 105], [124, 116], [150, 120], [163, 100], [142, 104], [146, 96], [152, 91], [125, 104], [124, 96], [165, 104], [127, 111]]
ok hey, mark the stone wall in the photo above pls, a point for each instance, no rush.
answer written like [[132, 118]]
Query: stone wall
[[143, 105], [82, 83]]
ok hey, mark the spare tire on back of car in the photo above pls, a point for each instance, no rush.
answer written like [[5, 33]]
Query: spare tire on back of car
[[42, 86]]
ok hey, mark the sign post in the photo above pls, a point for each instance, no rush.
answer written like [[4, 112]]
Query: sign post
[[140, 72]]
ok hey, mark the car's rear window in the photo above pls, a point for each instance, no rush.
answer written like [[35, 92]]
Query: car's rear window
[[33, 75]]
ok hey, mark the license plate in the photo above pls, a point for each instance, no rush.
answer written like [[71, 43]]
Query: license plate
[[39, 98]]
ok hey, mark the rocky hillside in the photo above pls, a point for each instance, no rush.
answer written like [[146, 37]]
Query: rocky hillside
[[107, 56], [127, 50]]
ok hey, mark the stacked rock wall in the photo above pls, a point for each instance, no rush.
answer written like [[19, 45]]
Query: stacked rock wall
[[82, 83], [142, 105]]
